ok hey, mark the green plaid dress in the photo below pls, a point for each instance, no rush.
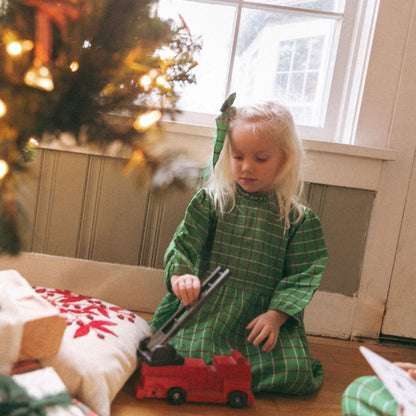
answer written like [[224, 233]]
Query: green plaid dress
[[367, 396], [270, 268]]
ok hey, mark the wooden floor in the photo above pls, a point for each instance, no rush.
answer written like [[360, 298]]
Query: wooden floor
[[342, 363]]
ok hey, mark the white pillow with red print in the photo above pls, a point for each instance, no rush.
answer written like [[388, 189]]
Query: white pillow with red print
[[98, 352]]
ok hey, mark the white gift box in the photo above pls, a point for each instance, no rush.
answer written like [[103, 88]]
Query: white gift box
[[30, 327]]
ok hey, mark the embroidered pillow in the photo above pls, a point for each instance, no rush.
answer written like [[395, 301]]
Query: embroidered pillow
[[98, 350]]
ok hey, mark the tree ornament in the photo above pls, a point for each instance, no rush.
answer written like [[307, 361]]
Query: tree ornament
[[46, 13]]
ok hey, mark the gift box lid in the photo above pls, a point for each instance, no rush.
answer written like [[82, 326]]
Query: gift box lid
[[38, 324]]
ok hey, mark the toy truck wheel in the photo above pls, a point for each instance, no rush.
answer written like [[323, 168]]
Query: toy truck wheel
[[176, 395], [237, 399]]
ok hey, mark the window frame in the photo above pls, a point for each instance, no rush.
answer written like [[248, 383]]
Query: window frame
[[349, 68]]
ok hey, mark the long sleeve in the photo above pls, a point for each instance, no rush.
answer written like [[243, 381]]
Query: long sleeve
[[183, 254], [189, 241], [305, 261]]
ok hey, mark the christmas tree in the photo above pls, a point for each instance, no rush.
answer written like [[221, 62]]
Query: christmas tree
[[70, 66]]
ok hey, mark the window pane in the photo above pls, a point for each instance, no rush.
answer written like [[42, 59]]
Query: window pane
[[214, 25], [286, 57], [334, 6], [300, 59], [311, 85], [316, 46], [279, 54]]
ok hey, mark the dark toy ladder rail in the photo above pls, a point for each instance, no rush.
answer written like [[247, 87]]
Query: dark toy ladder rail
[[155, 350]]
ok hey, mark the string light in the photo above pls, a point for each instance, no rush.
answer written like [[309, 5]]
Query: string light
[[4, 168], [39, 77], [14, 48], [145, 81], [33, 141], [153, 73], [27, 45], [146, 120], [162, 82], [17, 47], [137, 160], [3, 108], [108, 89], [74, 66]]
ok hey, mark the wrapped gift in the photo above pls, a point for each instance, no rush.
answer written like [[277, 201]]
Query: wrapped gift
[[39, 392], [30, 327]]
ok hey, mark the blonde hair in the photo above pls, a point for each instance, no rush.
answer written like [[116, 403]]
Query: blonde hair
[[273, 121]]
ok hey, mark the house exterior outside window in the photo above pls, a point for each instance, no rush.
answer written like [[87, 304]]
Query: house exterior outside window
[[310, 55]]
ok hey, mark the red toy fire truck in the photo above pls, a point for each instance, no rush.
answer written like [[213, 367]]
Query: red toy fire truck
[[166, 374], [226, 380]]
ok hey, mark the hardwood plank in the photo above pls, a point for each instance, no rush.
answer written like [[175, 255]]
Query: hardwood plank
[[342, 363]]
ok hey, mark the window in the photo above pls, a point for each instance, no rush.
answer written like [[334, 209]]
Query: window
[[304, 53]]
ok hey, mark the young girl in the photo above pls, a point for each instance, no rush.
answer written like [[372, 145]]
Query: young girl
[[246, 217]]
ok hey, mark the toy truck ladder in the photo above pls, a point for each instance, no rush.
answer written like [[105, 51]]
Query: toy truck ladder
[[155, 350]]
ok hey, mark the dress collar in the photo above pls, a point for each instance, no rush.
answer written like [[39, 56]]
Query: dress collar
[[255, 197]]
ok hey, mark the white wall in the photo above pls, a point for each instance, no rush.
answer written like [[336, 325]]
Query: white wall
[[388, 112]]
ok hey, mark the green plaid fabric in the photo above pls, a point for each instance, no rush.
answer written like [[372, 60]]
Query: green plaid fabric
[[227, 112], [270, 268], [367, 396]]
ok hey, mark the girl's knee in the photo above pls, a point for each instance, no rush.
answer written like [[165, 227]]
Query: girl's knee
[[297, 377], [303, 376]]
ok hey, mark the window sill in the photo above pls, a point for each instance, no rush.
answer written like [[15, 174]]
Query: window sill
[[350, 150], [310, 144], [328, 163]]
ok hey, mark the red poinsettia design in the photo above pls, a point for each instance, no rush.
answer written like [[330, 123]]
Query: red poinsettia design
[[84, 329], [86, 312]]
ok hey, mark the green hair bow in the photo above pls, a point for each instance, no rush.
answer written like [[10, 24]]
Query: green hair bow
[[227, 113]]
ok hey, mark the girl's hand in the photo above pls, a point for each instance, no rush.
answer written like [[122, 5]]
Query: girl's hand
[[266, 327], [186, 288]]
